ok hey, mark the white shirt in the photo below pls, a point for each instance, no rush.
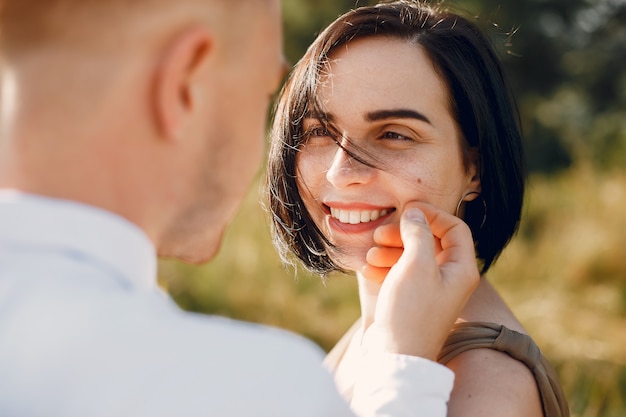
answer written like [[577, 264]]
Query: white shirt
[[86, 332]]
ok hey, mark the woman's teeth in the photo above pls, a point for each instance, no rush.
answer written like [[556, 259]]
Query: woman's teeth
[[356, 216]]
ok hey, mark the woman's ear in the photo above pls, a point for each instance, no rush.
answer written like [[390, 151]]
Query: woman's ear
[[177, 78], [474, 171]]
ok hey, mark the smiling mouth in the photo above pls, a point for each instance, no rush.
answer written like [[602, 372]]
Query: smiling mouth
[[358, 216]]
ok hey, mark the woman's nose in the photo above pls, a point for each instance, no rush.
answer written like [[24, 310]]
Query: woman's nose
[[345, 171]]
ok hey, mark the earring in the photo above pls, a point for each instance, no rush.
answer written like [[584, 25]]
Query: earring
[[458, 206]]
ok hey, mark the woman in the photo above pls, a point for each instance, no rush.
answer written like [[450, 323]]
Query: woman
[[391, 104]]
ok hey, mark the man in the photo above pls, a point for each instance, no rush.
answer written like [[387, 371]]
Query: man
[[131, 128]]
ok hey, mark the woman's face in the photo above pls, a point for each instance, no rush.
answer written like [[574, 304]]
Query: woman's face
[[385, 97]]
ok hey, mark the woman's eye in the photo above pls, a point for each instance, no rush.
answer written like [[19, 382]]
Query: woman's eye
[[319, 132], [395, 136]]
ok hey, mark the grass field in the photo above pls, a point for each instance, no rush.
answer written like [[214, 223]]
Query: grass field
[[564, 275]]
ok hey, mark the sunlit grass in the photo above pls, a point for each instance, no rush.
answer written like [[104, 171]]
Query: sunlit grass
[[564, 275]]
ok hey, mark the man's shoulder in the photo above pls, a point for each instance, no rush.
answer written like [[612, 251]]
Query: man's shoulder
[[143, 352], [240, 337]]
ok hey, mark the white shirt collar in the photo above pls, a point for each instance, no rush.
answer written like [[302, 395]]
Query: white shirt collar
[[28, 219]]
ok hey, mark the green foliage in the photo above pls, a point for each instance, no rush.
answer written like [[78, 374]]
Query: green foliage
[[304, 19], [566, 60]]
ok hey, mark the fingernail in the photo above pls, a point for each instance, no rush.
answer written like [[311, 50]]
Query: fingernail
[[416, 215]]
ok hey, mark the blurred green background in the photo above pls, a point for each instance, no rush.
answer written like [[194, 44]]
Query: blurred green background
[[564, 275]]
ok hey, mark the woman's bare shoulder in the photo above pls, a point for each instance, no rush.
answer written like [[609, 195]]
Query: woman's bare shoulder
[[491, 383]]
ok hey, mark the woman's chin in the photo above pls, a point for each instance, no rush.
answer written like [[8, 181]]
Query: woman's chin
[[351, 262]]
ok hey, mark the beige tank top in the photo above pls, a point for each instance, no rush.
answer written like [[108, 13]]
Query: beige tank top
[[481, 335]]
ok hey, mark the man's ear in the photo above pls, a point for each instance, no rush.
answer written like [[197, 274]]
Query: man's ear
[[177, 77]]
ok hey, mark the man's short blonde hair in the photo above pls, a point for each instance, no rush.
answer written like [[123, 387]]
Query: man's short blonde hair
[[32, 24]]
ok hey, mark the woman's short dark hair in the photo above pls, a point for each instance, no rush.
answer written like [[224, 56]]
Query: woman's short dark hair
[[482, 107]]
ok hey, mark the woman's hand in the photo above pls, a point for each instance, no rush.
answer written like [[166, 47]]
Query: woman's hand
[[427, 270]]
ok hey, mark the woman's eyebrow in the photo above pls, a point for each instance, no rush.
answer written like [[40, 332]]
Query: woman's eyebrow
[[327, 117], [378, 115]]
